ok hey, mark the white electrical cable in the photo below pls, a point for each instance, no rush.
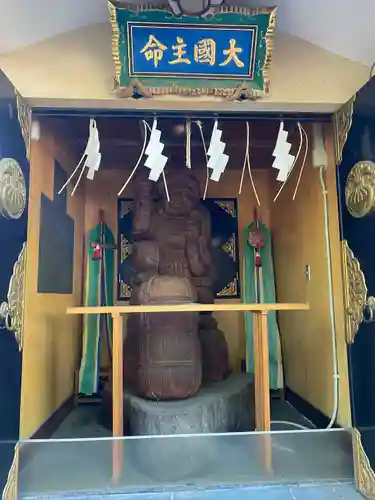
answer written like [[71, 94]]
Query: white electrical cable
[[145, 124], [336, 376], [292, 424], [331, 302]]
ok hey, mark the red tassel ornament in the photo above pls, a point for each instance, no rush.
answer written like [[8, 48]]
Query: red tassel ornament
[[97, 254]]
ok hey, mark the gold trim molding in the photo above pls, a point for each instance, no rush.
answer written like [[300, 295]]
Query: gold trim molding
[[342, 121], [355, 292], [364, 475], [360, 189], [13, 310], [11, 488], [24, 117]]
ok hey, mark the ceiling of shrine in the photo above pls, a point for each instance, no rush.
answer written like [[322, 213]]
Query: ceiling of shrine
[[342, 27], [121, 140]]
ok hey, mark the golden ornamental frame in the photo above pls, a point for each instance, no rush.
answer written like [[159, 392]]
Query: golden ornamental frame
[[364, 474], [231, 94], [342, 122], [24, 112]]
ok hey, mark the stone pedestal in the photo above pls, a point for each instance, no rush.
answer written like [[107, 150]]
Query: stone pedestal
[[220, 407]]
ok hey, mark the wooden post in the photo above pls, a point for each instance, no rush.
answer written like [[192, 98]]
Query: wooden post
[[262, 385], [261, 373], [117, 395]]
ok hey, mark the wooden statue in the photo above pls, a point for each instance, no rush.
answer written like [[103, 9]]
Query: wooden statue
[[166, 353]]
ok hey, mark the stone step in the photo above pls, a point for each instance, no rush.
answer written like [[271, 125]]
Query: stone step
[[328, 491]]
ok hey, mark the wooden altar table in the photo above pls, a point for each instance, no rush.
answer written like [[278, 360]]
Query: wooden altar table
[[261, 361]]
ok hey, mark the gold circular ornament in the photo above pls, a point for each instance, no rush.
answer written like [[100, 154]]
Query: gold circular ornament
[[360, 189], [12, 189]]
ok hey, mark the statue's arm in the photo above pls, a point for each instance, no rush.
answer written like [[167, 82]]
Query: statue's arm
[[205, 238], [192, 253], [143, 210], [198, 249]]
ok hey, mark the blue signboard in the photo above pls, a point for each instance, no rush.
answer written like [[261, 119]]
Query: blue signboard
[[191, 50], [226, 54]]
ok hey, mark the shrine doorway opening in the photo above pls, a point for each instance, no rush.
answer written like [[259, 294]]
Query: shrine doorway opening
[[266, 245]]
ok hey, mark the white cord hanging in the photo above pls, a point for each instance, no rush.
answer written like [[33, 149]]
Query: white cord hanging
[[293, 164], [200, 127], [188, 143], [247, 163], [303, 162], [145, 125]]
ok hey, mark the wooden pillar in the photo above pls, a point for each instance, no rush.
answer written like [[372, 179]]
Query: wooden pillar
[[262, 385], [117, 395], [261, 372]]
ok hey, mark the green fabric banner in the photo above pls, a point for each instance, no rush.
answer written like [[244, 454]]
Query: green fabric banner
[[268, 297], [100, 275]]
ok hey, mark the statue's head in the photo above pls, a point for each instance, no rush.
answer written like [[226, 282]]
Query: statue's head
[[184, 193]]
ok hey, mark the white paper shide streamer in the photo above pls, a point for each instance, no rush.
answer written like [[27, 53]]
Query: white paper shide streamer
[[283, 159], [93, 155], [217, 159], [156, 161], [90, 159]]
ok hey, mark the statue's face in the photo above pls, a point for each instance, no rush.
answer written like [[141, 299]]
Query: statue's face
[[183, 196], [180, 203]]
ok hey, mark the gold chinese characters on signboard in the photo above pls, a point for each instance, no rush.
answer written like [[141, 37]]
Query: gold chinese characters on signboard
[[204, 52]]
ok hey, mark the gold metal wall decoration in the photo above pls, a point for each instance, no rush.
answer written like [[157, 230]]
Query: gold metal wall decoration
[[360, 189], [125, 208], [364, 475], [25, 118], [227, 206], [125, 248], [229, 247], [11, 487], [355, 292], [12, 311], [230, 289], [125, 290], [12, 189], [342, 121]]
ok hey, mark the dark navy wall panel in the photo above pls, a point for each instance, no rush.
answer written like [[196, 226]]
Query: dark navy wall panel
[[360, 236], [13, 234], [56, 240]]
